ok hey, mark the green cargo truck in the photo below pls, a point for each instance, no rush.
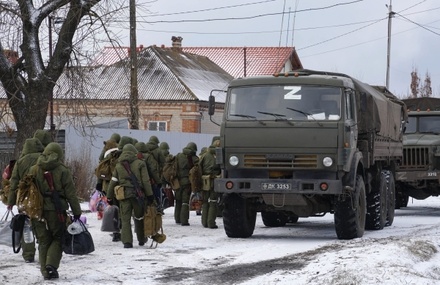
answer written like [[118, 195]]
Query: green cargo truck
[[306, 143], [418, 175]]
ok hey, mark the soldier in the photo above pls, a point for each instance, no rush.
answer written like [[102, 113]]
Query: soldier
[[32, 149], [164, 148], [49, 230], [110, 144], [152, 166], [186, 160], [155, 151], [210, 169], [129, 204], [116, 152]]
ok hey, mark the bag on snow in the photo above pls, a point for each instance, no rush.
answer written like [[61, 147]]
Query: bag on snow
[[110, 219], [77, 240]]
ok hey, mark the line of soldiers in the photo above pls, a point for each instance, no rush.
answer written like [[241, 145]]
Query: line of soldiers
[[41, 155], [146, 162]]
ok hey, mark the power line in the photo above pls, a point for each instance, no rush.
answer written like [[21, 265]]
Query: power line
[[210, 9], [421, 26], [247, 17]]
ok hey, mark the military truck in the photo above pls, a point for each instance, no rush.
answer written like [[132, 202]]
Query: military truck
[[418, 175], [306, 143]]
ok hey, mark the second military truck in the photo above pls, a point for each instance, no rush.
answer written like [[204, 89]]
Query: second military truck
[[418, 176], [306, 143]]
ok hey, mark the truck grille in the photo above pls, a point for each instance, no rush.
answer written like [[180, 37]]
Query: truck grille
[[415, 158], [302, 161]]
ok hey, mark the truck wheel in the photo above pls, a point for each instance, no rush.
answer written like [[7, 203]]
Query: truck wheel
[[377, 205], [239, 217], [292, 218], [391, 198], [274, 219], [350, 213], [401, 197]]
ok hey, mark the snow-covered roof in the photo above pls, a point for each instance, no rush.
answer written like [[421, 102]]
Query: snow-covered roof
[[163, 74]]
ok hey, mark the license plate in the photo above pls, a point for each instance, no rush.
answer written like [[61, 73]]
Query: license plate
[[276, 186]]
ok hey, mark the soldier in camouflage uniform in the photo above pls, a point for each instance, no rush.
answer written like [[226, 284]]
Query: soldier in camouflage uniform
[[209, 167], [152, 165], [164, 148], [186, 160], [50, 229], [156, 152], [130, 205], [32, 149]]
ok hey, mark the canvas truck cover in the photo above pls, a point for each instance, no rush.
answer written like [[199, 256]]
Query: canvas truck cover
[[383, 112]]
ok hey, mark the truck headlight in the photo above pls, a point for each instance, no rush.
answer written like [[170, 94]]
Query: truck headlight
[[233, 160], [327, 161]]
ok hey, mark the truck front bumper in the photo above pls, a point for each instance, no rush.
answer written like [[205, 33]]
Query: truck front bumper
[[278, 186], [408, 176]]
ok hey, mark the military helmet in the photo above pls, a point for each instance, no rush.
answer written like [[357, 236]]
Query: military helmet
[[164, 145], [54, 147], [116, 137], [125, 140], [215, 138], [141, 147], [129, 147], [154, 139], [192, 146]]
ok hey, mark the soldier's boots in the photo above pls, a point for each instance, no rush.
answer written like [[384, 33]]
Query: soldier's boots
[[116, 237], [52, 272]]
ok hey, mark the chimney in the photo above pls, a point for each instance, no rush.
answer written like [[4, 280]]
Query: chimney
[[11, 55], [176, 43]]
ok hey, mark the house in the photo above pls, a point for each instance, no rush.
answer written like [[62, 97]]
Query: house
[[173, 91]]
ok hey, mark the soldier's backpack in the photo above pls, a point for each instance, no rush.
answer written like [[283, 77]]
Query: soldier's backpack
[[153, 225], [29, 198], [170, 170], [106, 166], [195, 178]]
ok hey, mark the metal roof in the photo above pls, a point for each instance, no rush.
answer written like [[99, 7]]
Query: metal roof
[[259, 60], [163, 74]]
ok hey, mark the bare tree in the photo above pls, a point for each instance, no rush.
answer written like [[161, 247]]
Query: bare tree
[[415, 82], [29, 80], [426, 89]]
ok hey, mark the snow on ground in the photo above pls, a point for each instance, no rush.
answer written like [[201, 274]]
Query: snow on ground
[[307, 252]]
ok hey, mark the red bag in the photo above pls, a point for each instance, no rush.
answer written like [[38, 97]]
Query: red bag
[[7, 172], [168, 193]]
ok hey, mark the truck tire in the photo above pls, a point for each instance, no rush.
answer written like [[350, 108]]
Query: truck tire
[[391, 199], [401, 197], [350, 213], [292, 218], [239, 217], [273, 219], [377, 205]]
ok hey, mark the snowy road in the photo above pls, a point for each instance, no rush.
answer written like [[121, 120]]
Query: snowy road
[[307, 252]]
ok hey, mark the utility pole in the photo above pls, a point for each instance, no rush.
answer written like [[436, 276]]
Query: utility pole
[[390, 15], [134, 94], [52, 125]]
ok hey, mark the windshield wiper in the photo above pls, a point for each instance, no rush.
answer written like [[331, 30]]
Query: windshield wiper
[[277, 116], [243, 116], [247, 116], [305, 114]]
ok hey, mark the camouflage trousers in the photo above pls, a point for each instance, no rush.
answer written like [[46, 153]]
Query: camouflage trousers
[[209, 208], [181, 204]]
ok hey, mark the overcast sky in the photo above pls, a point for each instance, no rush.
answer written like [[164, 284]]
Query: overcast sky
[[348, 36]]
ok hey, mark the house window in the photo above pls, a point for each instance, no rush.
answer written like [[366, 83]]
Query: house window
[[157, 126]]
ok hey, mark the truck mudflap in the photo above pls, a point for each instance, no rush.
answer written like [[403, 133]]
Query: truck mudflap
[[282, 186], [417, 175]]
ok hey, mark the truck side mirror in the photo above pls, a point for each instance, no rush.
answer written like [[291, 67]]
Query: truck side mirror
[[211, 105]]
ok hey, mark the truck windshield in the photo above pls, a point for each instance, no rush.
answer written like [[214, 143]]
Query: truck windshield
[[291, 102], [426, 124]]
